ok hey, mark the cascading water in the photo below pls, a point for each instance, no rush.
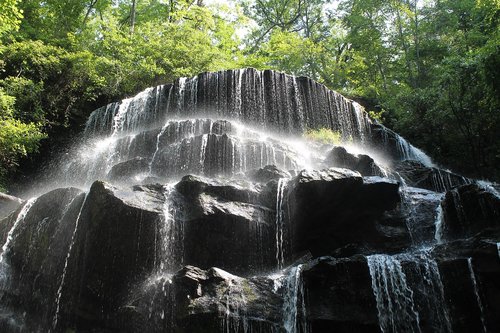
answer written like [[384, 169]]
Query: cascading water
[[223, 128], [476, 293], [19, 219], [171, 233], [294, 306], [280, 223], [438, 234], [395, 305], [66, 261], [4, 266]]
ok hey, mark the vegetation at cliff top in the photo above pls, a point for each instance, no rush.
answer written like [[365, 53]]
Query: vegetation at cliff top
[[431, 68]]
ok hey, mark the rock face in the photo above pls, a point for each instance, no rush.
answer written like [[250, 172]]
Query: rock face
[[364, 164], [8, 203], [336, 208], [469, 210], [226, 225], [191, 224], [267, 173], [32, 264], [340, 296], [114, 247], [418, 175]]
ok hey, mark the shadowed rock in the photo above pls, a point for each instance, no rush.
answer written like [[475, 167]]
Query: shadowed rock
[[267, 173], [418, 175], [8, 204], [468, 210], [364, 164], [334, 208], [227, 225]]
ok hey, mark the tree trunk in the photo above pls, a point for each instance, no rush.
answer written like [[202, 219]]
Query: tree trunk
[[132, 17]]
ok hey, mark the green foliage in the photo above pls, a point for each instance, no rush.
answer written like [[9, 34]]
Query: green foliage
[[10, 16], [324, 135], [433, 69], [17, 139]]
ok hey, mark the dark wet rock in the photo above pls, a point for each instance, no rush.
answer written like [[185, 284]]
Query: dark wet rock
[[8, 204], [192, 186], [469, 210], [196, 300], [418, 175], [340, 297], [462, 295], [267, 173], [125, 171], [458, 260], [339, 157], [226, 225], [334, 208], [36, 257], [420, 208], [114, 248]]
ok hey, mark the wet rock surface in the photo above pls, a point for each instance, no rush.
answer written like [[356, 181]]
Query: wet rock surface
[[469, 210], [417, 174], [8, 204], [334, 208], [199, 228]]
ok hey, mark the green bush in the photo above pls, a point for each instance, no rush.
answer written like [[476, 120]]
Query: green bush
[[324, 135]]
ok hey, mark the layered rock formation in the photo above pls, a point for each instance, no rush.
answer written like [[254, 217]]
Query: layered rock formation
[[198, 207]]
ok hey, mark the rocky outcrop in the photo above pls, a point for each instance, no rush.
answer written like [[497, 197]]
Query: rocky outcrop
[[364, 164], [8, 204], [125, 171], [252, 248], [470, 271], [336, 208], [230, 226], [197, 300], [421, 210], [340, 297], [267, 173], [469, 210], [114, 248], [36, 257], [417, 174]]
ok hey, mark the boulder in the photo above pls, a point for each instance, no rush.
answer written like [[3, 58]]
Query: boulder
[[417, 174], [267, 173], [336, 208], [421, 209], [35, 259], [197, 300], [339, 295], [126, 171], [226, 225], [469, 210], [8, 204], [115, 247], [339, 157]]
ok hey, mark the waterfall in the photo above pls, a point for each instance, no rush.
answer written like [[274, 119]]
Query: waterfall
[[228, 126], [66, 261], [438, 234], [404, 297], [395, 305], [4, 266], [294, 306], [171, 233], [234, 317], [476, 293], [10, 235], [427, 272], [489, 187], [280, 223]]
